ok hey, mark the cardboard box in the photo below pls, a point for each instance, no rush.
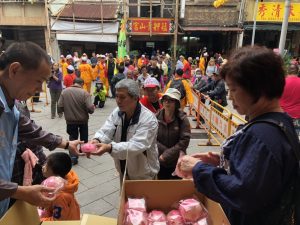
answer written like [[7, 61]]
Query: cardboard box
[[161, 194], [22, 213]]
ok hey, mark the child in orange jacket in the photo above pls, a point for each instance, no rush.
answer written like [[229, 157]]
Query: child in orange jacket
[[65, 206]]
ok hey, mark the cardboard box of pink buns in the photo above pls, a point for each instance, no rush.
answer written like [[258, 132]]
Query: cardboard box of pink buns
[[174, 202]]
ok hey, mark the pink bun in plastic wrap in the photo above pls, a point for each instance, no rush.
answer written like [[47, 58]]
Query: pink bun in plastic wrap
[[135, 217], [201, 222], [136, 203], [190, 210], [57, 183], [157, 216], [88, 147], [174, 218]]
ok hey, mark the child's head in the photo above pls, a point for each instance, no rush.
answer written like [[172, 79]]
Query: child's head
[[57, 164]]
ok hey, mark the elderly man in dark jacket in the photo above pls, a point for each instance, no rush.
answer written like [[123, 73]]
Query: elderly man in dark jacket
[[216, 91]]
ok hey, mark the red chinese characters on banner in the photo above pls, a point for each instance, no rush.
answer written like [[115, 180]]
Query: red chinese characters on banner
[[157, 25]]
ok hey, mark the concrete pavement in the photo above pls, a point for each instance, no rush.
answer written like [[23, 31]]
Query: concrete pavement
[[99, 181]]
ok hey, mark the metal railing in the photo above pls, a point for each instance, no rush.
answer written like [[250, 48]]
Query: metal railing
[[220, 123]]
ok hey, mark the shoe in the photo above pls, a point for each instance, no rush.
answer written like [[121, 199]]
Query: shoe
[[194, 119], [52, 117], [60, 115], [74, 161]]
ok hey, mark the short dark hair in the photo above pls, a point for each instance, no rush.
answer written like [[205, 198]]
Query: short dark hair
[[27, 53], [121, 69], [78, 80], [258, 70], [60, 163], [179, 72]]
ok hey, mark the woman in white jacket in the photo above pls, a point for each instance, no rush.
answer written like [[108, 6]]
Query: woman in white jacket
[[129, 134]]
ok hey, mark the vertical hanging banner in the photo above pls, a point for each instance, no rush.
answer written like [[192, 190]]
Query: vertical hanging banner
[[122, 41], [182, 9], [274, 11]]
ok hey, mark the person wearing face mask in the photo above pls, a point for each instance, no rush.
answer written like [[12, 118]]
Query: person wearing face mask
[[55, 87]]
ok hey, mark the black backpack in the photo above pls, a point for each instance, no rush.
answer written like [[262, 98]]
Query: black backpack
[[178, 84], [287, 212]]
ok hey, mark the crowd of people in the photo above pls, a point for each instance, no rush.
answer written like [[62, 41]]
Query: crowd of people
[[148, 132]]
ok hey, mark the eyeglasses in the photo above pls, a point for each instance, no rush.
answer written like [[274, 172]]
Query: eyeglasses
[[166, 99]]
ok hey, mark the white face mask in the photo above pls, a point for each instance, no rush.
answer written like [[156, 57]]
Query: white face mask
[[198, 75]]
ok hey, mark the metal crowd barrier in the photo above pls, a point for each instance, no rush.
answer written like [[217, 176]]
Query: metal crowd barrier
[[219, 124]]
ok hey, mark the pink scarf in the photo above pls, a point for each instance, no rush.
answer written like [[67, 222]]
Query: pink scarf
[[30, 160]]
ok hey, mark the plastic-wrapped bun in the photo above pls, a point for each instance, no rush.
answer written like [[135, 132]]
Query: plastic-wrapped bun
[[136, 203], [88, 147], [174, 218], [55, 182], [190, 210], [135, 217], [156, 217], [202, 221]]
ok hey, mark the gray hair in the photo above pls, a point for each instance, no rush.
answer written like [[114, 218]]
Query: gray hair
[[131, 86]]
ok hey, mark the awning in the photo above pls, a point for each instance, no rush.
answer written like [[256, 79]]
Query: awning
[[87, 37], [272, 27], [80, 31], [214, 28]]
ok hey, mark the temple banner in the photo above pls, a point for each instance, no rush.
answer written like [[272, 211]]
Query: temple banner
[[274, 12], [157, 25]]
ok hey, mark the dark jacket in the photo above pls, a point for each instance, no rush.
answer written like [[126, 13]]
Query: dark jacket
[[216, 91], [260, 164], [155, 72], [118, 77], [172, 137]]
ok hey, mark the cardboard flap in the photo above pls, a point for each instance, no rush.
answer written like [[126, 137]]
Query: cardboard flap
[[21, 213], [74, 222], [97, 220]]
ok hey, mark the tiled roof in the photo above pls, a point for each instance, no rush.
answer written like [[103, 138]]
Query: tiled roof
[[90, 10]]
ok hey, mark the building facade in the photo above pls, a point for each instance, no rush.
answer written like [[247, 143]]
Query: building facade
[[269, 17], [24, 21], [85, 27]]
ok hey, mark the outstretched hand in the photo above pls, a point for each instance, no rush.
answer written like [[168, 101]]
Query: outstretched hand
[[35, 195], [73, 147]]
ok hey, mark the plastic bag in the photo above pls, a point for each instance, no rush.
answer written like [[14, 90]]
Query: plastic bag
[[135, 217], [174, 218], [157, 216], [203, 221], [137, 204], [191, 210], [88, 147], [55, 182]]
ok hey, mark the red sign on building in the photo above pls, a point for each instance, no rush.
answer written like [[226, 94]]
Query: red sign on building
[[155, 25]]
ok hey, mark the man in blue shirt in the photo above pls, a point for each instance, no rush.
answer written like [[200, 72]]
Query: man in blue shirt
[[21, 75]]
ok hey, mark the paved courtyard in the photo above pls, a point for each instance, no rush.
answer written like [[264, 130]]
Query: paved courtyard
[[99, 182]]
